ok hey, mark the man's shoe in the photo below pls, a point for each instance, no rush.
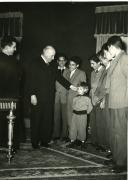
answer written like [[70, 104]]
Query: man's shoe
[[108, 151], [108, 162], [83, 145], [109, 155], [98, 147], [65, 139], [52, 142], [119, 169], [101, 148], [55, 138], [78, 142], [45, 145], [35, 146], [71, 145]]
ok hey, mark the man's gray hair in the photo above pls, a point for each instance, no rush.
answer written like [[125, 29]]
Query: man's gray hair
[[48, 47]]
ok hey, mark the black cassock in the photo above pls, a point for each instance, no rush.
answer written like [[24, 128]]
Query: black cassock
[[41, 82], [10, 76]]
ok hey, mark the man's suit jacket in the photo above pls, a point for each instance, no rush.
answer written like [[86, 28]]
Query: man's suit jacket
[[76, 78], [10, 77], [41, 80], [101, 90], [61, 91], [117, 82], [60, 88], [95, 77]]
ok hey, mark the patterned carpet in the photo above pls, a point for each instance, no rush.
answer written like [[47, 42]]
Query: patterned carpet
[[56, 163]]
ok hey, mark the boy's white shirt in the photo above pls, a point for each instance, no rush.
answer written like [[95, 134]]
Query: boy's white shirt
[[72, 72]]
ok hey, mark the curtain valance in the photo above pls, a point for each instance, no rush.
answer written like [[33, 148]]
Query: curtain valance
[[11, 24], [115, 8], [112, 23], [111, 20]]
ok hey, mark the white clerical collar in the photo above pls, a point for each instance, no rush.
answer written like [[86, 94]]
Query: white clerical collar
[[44, 59], [61, 68]]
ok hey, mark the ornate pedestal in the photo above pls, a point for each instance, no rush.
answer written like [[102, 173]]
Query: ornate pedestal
[[10, 117], [9, 105]]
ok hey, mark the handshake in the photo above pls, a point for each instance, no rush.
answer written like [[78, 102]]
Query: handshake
[[74, 88], [34, 98]]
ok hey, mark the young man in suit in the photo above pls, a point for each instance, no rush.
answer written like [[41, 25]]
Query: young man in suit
[[60, 110], [75, 76], [117, 87]]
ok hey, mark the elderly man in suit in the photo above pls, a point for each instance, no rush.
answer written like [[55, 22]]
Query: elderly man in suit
[[117, 88], [40, 90]]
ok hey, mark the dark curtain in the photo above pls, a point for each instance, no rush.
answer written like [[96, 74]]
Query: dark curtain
[[11, 24], [111, 20], [112, 23]]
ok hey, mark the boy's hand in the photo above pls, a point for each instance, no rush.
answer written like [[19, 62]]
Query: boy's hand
[[74, 88], [102, 104]]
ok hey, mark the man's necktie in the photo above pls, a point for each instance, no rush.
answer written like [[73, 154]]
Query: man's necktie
[[62, 70]]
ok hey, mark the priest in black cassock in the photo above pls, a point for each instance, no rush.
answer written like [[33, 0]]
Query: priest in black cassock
[[10, 76]]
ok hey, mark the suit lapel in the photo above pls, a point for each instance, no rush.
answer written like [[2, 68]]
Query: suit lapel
[[114, 63], [111, 69], [75, 74], [67, 74]]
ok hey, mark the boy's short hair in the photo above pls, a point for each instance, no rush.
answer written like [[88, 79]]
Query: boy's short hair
[[76, 59], [58, 55], [83, 84], [94, 58]]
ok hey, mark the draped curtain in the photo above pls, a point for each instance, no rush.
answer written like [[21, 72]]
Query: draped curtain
[[111, 20], [11, 24]]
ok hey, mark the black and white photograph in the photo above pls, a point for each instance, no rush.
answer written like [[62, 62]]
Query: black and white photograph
[[63, 90]]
